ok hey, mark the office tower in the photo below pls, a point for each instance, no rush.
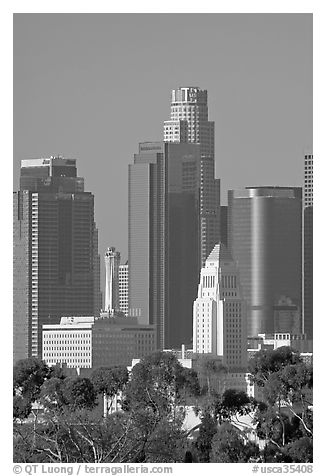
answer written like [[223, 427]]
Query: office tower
[[308, 247], [164, 260], [224, 224], [56, 264], [219, 312], [124, 288], [264, 237], [189, 123], [112, 263]]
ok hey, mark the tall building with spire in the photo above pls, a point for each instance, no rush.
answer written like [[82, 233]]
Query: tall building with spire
[[56, 268], [189, 123], [112, 263], [219, 312]]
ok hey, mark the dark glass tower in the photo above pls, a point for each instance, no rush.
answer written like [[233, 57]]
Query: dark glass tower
[[308, 247], [264, 237], [164, 238], [189, 123], [56, 261]]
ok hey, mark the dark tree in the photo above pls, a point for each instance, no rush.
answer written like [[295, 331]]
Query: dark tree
[[228, 446], [109, 381], [79, 392], [28, 377]]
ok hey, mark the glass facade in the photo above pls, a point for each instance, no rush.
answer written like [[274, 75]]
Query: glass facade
[[264, 237], [56, 264]]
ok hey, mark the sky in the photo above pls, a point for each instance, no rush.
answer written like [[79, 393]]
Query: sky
[[92, 86]]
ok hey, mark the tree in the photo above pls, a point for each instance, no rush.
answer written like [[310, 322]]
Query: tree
[[229, 447], [79, 392], [301, 450], [28, 377], [187, 384], [156, 383], [21, 407], [210, 368], [207, 431], [109, 381], [286, 383], [52, 394], [267, 362]]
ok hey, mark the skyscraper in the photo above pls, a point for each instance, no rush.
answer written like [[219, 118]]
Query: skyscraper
[[219, 312], [164, 245], [264, 237], [56, 263], [308, 247], [189, 123], [112, 263], [124, 288]]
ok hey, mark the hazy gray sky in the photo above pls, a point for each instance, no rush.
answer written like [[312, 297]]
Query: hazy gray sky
[[91, 86]]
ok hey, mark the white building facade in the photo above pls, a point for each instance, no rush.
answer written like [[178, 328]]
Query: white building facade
[[124, 288], [69, 342], [112, 263], [219, 312]]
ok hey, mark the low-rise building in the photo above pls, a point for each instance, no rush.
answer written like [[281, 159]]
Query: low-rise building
[[89, 342]]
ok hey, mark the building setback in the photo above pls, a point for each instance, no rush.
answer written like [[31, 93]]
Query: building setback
[[264, 238], [189, 123], [308, 247], [56, 262], [164, 243], [219, 312]]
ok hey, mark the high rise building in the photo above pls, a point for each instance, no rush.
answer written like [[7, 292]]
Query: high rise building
[[308, 247], [224, 224], [124, 288], [164, 245], [264, 238], [112, 263], [219, 312], [189, 123], [56, 262]]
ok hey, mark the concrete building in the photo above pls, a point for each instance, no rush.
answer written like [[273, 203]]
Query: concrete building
[[298, 342], [124, 288], [56, 268], [112, 263], [264, 238], [219, 312], [308, 247], [89, 342], [189, 123], [164, 238]]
